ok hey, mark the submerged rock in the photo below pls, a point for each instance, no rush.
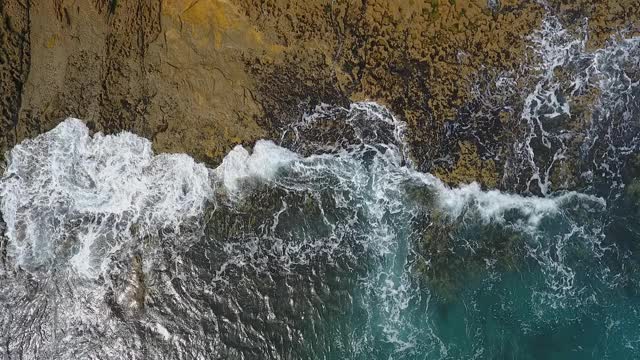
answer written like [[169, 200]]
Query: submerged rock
[[453, 252]]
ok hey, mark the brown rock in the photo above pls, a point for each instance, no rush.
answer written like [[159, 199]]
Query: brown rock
[[15, 57], [111, 64], [200, 76]]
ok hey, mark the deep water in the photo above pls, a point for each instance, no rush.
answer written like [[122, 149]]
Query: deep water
[[328, 244]]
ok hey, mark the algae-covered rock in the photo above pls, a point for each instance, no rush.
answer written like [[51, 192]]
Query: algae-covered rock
[[202, 76], [453, 251]]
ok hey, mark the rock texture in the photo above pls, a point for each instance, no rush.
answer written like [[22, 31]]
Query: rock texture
[[422, 59], [200, 76], [602, 18], [143, 66], [15, 57]]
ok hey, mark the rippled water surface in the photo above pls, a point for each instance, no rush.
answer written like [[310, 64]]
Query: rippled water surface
[[329, 244]]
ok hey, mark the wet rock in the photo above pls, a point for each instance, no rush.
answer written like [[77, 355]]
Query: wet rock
[[454, 251], [15, 58], [606, 19], [114, 66], [202, 76], [421, 59]]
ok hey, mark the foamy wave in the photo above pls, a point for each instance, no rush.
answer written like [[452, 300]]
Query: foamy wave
[[78, 201], [608, 135], [66, 177], [262, 163], [491, 205]]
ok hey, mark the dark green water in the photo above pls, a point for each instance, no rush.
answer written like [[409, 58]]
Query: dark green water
[[331, 244], [560, 287]]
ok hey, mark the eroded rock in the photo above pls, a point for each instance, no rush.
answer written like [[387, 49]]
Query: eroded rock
[[201, 76]]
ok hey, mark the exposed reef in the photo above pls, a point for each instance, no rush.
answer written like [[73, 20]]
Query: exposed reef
[[201, 76]]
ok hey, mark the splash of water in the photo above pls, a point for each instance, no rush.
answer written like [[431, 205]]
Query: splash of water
[[67, 189], [568, 76], [326, 245], [286, 235]]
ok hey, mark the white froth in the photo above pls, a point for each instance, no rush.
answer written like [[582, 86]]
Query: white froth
[[492, 205], [166, 335], [107, 191], [263, 163], [111, 182], [604, 69]]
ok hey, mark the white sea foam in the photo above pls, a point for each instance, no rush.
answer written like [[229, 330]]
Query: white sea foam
[[491, 205], [69, 197], [377, 201], [263, 163], [603, 69], [66, 177]]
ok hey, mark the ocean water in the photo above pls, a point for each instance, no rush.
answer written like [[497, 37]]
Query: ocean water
[[330, 244]]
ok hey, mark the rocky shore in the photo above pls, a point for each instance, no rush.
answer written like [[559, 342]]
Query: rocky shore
[[200, 76]]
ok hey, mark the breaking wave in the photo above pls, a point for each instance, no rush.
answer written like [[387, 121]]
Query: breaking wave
[[328, 244], [325, 250], [581, 109], [66, 193]]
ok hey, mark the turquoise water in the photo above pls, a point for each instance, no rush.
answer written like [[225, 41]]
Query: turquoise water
[[566, 290], [331, 243], [349, 253]]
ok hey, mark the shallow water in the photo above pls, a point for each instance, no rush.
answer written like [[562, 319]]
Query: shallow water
[[327, 245]]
